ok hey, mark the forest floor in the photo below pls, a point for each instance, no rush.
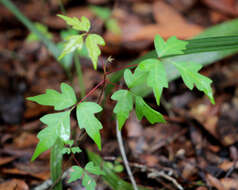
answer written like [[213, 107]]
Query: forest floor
[[197, 146]]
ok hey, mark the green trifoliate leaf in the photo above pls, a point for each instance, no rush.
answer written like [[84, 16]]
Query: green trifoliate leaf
[[88, 182], [92, 41], [156, 79], [75, 23], [93, 169], [143, 109], [73, 42], [59, 100], [123, 107], [86, 120], [58, 126], [76, 150], [191, 77], [75, 174], [173, 46]]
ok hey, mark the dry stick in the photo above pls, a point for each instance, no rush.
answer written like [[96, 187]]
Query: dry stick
[[155, 173], [124, 158]]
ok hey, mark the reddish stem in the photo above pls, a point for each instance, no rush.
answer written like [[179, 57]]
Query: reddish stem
[[91, 91]]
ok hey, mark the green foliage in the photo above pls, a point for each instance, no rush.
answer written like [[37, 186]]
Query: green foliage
[[191, 77], [173, 46], [87, 120], [76, 174], [73, 42], [58, 126], [123, 107], [75, 23], [92, 42], [43, 29], [156, 79], [76, 42], [150, 71], [60, 101], [143, 109], [88, 182]]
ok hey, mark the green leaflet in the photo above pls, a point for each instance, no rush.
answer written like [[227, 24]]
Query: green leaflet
[[60, 101], [73, 42], [75, 23], [88, 182], [173, 46], [86, 120], [156, 79], [75, 174], [191, 77], [143, 109], [124, 105], [58, 125], [92, 42], [91, 168], [134, 79]]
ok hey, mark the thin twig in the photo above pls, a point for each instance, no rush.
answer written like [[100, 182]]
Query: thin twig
[[123, 153], [153, 173]]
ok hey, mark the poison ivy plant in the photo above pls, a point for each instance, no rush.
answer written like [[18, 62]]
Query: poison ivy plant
[[151, 71], [76, 42]]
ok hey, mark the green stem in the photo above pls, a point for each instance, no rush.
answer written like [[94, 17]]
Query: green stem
[[56, 159], [80, 75]]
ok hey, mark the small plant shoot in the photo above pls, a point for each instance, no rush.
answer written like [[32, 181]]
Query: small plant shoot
[[150, 72]]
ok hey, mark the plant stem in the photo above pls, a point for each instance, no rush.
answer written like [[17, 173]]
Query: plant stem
[[79, 75], [123, 153], [56, 158], [91, 91]]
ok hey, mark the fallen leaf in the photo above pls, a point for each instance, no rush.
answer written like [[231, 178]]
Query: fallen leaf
[[14, 184]]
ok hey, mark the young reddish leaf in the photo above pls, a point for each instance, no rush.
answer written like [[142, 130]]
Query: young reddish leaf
[[191, 77], [58, 126], [156, 79], [143, 109], [75, 174], [124, 105], [86, 120], [59, 100], [92, 42], [75, 23], [173, 46]]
